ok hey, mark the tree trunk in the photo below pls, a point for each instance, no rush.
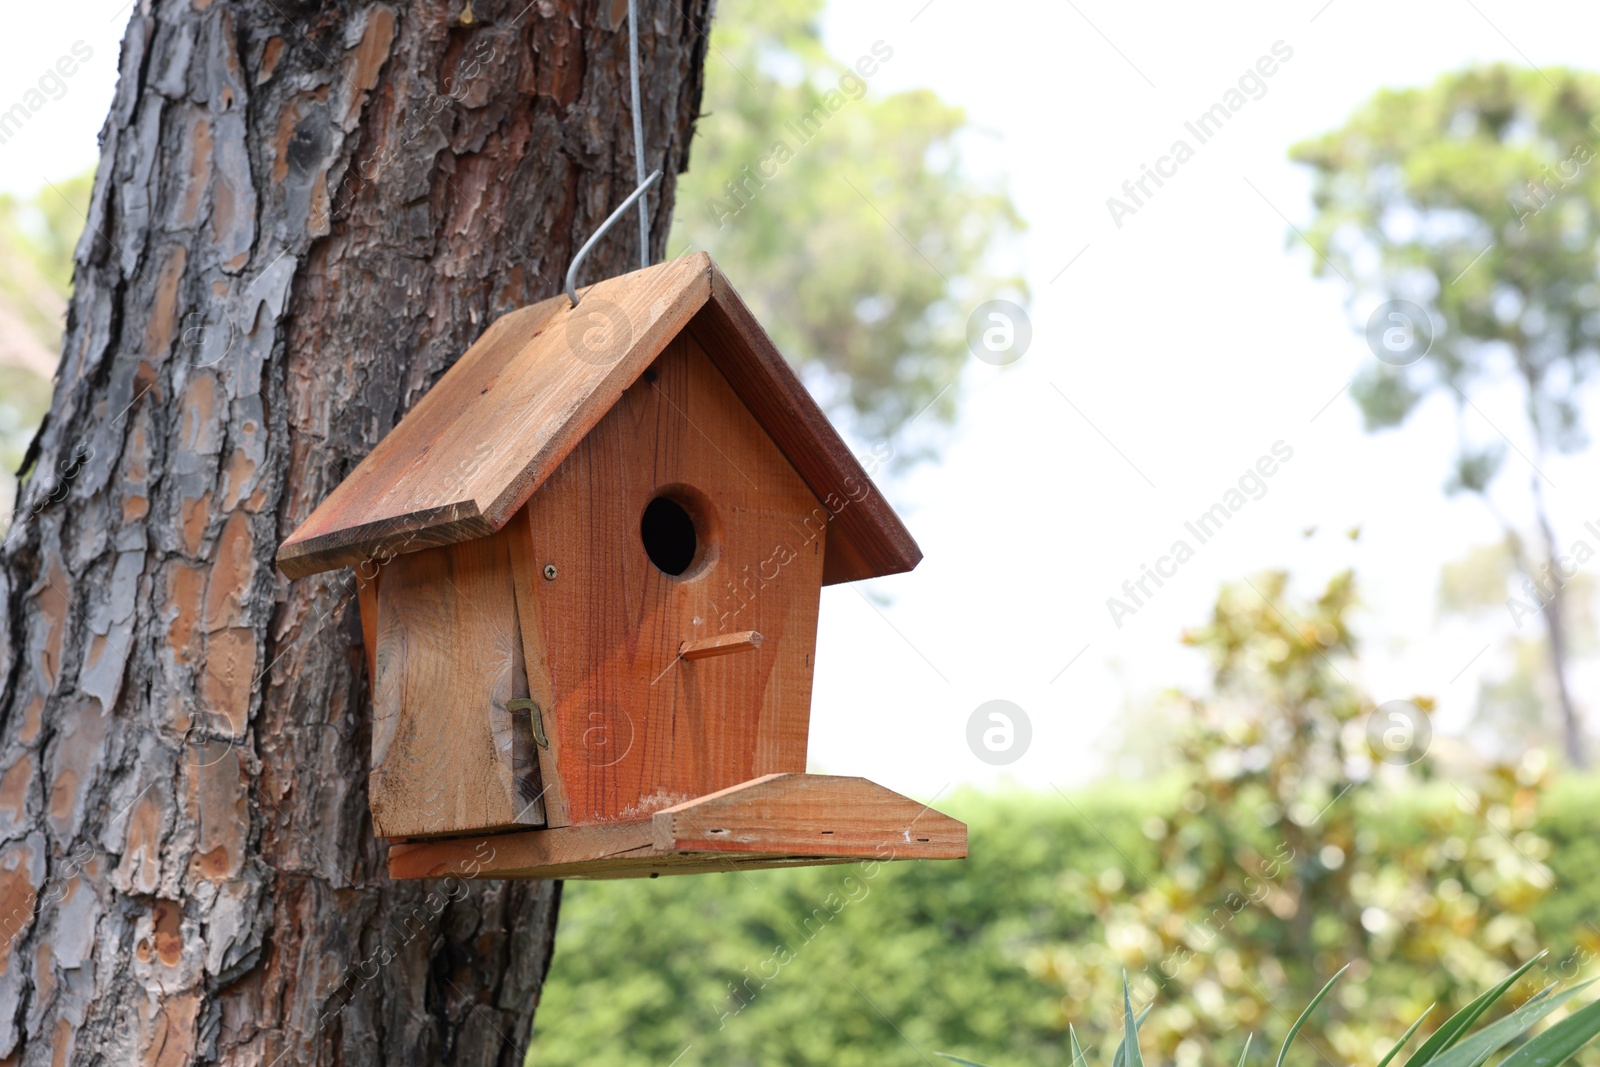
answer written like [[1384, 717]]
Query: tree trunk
[[304, 213], [1554, 610]]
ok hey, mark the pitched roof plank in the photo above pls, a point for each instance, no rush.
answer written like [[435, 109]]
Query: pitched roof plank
[[472, 450], [866, 539]]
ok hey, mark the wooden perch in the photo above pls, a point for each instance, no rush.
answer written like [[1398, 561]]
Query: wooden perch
[[721, 645]]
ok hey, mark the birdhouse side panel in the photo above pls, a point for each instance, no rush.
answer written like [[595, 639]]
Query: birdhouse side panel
[[670, 588], [448, 755]]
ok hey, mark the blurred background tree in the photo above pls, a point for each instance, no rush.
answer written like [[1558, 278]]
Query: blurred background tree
[[37, 235], [1291, 851], [846, 216], [1478, 198], [1511, 714]]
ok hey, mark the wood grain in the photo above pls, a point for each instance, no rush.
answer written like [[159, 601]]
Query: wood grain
[[633, 728], [445, 750], [780, 820], [810, 815]]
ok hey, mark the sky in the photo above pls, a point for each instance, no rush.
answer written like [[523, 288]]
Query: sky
[[1171, 349]]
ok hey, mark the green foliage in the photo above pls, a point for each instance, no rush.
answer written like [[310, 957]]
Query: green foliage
[[969, 956], [842, 213], [740, 965], [37, 235], [1478, 581], [43, 230], [24, 398], [1292, 852], [1477, 197]]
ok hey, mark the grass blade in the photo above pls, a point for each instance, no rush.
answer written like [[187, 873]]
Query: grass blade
[[1119, 1058], [1398, 1045], [1130, 1028], [958, 1059], [1298, 1023], [1077, 1052], [1559, 1042], [1473, 1050], [1246, 1051], [1458, 1024]]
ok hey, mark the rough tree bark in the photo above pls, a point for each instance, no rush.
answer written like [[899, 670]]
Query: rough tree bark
[[304, 212]]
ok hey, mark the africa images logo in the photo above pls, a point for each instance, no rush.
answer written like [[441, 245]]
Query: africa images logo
[[1252, 485], [1252, 85]]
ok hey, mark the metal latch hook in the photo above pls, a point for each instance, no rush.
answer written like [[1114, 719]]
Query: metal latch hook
[[535, 717]]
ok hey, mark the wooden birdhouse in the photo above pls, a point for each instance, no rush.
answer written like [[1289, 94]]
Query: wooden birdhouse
[[589, 563]]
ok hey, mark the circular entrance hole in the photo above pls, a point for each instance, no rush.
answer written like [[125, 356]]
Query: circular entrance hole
[[679, 532], [669, 536]]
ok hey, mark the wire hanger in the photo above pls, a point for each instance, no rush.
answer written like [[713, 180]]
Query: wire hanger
[[638, 161]]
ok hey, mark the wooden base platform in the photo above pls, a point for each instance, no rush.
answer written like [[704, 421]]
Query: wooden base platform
[[780, 820]]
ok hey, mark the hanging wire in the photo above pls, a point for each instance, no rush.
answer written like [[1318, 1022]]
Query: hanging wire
[[622, 208], [638, 132], [638, 161]]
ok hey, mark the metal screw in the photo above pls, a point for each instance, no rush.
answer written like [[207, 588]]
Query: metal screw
[[550, 571]]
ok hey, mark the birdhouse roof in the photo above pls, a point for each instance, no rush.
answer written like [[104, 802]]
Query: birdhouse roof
[[504, 417]]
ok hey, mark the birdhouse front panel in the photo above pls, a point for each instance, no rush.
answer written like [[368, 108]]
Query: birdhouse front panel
[[669, 600]]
